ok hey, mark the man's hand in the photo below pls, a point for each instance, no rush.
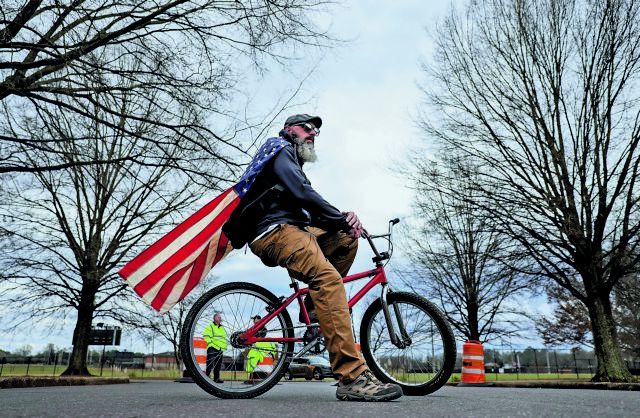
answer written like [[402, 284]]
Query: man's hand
[[356, 226]]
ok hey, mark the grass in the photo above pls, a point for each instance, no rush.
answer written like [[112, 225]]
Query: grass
[[42, 370], [37, 370], [533, 376], [492, 377]]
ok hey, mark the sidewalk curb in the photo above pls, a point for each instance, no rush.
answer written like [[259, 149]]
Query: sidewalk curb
[[33, 382], [550, 384]]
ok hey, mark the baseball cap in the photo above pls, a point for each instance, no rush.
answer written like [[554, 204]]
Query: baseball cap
[[302, 118]]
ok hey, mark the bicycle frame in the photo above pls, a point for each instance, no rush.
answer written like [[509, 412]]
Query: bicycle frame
[[378, 277], [405, 339]]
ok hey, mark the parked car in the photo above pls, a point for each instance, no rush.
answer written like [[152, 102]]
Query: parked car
[[308, 367]]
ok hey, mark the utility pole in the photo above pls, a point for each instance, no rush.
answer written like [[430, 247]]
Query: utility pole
[[153, 355], [548, 366]]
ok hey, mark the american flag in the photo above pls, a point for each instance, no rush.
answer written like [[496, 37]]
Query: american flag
[[165, 273]]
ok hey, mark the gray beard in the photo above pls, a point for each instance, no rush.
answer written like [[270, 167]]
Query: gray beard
[[307, 152]]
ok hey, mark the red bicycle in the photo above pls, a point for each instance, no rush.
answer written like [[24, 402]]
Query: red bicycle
[[404, 338]]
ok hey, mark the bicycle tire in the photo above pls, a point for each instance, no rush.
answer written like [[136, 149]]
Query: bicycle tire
[[432, 338], [239, 302]]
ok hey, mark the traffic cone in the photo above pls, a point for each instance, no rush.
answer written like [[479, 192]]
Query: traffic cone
[[473, 364], [200, 350]]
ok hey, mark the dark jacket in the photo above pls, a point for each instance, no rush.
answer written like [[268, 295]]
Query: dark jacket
[[297, 204]]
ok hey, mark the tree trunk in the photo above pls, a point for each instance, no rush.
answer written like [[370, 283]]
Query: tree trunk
[[177, 354], [78, 361], [610, 367], [474, 327]]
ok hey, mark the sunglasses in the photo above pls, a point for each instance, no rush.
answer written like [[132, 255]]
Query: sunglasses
[[309, 127]]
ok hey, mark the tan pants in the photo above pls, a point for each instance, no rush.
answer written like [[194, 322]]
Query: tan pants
[[319, 259]]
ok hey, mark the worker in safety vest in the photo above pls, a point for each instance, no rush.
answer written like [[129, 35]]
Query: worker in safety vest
[[216, 337], [259, 351]]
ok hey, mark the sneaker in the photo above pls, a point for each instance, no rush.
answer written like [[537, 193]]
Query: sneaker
[[368, 389]]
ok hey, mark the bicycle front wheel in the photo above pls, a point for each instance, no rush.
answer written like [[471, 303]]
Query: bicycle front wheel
[[427, 361], [240, 378]]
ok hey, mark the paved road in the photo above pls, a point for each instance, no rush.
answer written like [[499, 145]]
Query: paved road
[[309, 399]]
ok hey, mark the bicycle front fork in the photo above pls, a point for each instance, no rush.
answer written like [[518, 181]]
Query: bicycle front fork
[[403, 340]]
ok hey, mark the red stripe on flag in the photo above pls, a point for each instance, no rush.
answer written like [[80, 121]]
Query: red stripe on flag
[[193, 280], [223, 241], [169, 285], [165, 241], [199, 271], [179, 256], [159, 299]]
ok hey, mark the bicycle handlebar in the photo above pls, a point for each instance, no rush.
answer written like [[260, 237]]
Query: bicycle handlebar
[[379, 257]]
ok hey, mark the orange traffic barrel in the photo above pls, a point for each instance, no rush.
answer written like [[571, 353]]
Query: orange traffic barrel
[[200, 351], [266, 361], [473, 363]]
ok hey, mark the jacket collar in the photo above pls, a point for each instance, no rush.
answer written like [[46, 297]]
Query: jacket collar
[[285, 135]]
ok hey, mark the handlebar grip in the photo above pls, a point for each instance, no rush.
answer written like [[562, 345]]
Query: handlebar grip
[[394, 221]]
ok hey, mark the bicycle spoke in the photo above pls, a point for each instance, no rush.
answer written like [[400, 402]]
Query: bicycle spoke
[[242, 375], [418, 366]]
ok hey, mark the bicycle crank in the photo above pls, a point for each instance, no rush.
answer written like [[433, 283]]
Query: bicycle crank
[[313, 340]]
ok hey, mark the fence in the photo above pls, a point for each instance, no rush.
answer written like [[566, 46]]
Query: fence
[[541, 363], [499, 364], [30, 365], [56, 363]]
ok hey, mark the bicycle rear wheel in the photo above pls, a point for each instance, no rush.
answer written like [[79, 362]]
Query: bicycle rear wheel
[[238, 303], [427, 362]]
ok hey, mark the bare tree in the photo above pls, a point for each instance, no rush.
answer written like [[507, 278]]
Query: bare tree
[[569, 323], [627, 309], [545, 94], [167, 326], [24, 350], [71, 228], [116, 110], [457, 256], [175, 55]]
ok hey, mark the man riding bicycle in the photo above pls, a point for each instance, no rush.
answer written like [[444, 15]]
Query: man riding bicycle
[[287, 223]]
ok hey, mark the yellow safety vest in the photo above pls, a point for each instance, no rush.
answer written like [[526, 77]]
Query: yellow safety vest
[[253, 358], [266, 348], [215, 336], [258, 352]]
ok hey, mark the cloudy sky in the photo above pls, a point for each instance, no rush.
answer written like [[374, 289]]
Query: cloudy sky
[[366, 92]]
